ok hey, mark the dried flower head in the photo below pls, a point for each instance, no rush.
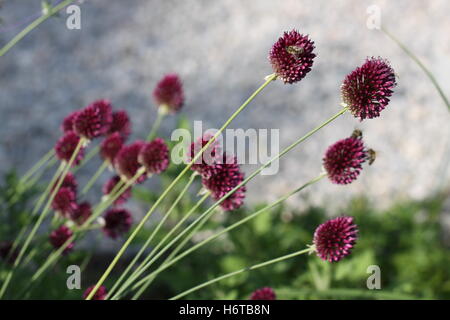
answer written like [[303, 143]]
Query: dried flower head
[[169, 94], [206, 164], [343, 160], [126, 161], [367, 89], [120, 123], [94, 120], [100, 294], [110, 185], [334, 239], [60, 236], [110, 146], [82, 212], [292, 56], [227, 176], [67, 124], [154, 156], [265, 293], [64, 201], [117, 222], [65, 147]]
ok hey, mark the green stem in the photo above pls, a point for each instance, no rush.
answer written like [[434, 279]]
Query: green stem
[[172, 185], [231, 274], [149, 239], [33, 25], [49, 155], [44, 212], [170, 262], [161, 115], [95, 177], [91, 154], [147, 262]]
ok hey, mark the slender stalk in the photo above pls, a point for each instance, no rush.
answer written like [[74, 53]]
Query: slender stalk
[[149, 239], [208, 213], [33, 25], [91, 154], [43, 214], [234, 273], [47, 157], [147, 262], [94, 178], [161, 115], [170, 262], [172, 185]]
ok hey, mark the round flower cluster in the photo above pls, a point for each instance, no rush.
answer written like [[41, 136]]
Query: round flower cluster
[[265, 293], [169, 94], [100, 294]]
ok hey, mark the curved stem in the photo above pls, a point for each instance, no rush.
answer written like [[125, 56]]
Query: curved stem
[[164, 266], [161, 115], [147, 262], [149, 239], [95, 177], [33, 25], [231, 274], [172, 185]]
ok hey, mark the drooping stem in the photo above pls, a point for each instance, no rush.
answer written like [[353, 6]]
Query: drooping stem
[[149, 239], [169, 262], [172, 185], [148, 261], [33, 25], [94, 178], [248, 269]]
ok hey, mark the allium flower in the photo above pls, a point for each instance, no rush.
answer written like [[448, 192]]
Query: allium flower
[[82, 212], [227, 176], [110, 146], [205, 165], [110, 185], [334, 239], [169, 94], [265, 293], [94, 120], [121, 124], [117, 222], [68, 182], [64, 201], [154, 156], [100, 294], [6, 254], [126, 161], [367, 89], [67, 124], [343, 160], [65, 147], [292, 56], [60, 236]]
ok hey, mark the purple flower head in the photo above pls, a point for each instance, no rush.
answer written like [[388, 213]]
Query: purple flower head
[[117, 222], [68, 182], [65, 147], [126, 161], [100, 294], [82, 212], [334, 239], [6, 252], [60, 236], [64, 201], [366, 90], [292, 56], [206, 164], [121, 124], [265, 293], [343, 160], [154, 156], [227, 176], [110, 146], [169, 93], [94, 120], [110, 185], [67, 124]]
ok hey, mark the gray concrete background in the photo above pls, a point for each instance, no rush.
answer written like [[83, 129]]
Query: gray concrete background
[[220, 50]]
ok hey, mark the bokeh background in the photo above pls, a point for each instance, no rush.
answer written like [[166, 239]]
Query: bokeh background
[[220, 48]]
